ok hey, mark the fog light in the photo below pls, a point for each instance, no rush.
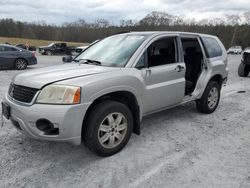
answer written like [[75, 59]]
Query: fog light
[[47, 127]]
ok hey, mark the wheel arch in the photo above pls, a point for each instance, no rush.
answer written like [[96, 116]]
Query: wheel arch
[[217, 78], [124, 97]]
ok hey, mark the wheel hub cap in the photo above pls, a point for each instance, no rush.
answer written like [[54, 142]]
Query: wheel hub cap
[[213, 97], [112, 130]]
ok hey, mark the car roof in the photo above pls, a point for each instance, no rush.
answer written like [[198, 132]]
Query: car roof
[[152, 33], [247, 51], [8, 45]]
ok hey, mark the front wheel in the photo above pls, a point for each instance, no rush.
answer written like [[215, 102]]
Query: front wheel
[[108, 128], [210, 98]]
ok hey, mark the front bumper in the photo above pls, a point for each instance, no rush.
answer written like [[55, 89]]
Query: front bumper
[[67, 118]]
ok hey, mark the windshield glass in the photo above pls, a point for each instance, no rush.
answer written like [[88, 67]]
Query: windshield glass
[[114, 51], [52, 44]]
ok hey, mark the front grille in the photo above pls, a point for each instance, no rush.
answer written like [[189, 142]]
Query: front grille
[[22, 93]]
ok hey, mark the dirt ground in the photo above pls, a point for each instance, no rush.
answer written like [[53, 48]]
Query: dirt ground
[[177, 148]]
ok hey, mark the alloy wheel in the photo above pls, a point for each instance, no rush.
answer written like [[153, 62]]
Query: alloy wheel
[[213, 97], [112, 130]]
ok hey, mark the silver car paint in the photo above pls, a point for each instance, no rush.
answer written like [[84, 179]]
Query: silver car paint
[[153, 89]]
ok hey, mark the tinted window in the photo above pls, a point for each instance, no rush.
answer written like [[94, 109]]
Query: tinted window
[[213, 49], [8, 49]]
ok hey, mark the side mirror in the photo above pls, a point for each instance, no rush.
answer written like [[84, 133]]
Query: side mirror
[[67, 59]]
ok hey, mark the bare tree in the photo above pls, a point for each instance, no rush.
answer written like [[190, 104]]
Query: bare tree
[[157, 18], [246, 16]]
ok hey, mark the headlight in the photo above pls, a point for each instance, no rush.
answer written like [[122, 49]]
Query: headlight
[[60, 94]]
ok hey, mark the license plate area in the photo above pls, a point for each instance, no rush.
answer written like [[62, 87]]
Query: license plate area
[[6, 110]]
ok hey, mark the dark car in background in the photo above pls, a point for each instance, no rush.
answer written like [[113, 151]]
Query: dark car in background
[[14, 57], [56, 48], [244, 67]]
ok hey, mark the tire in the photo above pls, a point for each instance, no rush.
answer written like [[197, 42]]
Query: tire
[[20, 64], [49, 53], [98, 125], [210, 98], [242, 70]]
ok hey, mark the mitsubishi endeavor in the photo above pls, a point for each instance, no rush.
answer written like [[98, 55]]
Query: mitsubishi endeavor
[[101, 97]]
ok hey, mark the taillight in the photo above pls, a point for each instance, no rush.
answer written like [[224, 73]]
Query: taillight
[[33, 54]]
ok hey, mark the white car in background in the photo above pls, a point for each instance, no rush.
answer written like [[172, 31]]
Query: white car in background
[[235, 50]]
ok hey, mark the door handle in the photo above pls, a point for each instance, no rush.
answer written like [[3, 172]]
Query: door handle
[[179, 68]]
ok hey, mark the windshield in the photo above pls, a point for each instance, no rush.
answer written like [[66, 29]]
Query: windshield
[[50, 45], [114, 51]]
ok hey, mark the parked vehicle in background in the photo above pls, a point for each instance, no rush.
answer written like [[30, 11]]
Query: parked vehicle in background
[[102, 98], [244, 67], [247, 48], [24, 46], [235, 50], [80, 49], [14, 57], [56, 48]]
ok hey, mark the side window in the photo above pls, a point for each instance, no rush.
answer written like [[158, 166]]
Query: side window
[[162, 52], [141, 62], [9, 49], [213, 49], [14, 49], [2, 49]]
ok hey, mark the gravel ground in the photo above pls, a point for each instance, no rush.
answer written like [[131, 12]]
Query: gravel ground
[[177, 148]]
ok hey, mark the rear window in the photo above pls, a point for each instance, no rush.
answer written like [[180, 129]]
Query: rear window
[[213, 49]]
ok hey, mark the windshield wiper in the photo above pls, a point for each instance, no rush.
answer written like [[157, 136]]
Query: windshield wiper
[[88, 61]]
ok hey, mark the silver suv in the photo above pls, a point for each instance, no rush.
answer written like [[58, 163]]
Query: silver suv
[[102, 96]]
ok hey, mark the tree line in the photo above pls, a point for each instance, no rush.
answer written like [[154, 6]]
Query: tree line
[[231, 29]]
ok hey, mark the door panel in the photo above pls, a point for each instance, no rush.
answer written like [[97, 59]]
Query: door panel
[[6, 59], [165, 86]]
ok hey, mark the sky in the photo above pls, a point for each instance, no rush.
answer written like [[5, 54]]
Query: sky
[[60, 11]]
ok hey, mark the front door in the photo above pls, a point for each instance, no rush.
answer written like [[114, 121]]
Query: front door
[[7, 56], [164, 76]]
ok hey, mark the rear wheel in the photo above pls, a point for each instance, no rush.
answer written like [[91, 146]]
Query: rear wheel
[[21, 64], [108, 128], [243, 70], [210, 98]]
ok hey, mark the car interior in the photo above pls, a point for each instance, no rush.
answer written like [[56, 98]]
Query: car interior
[[162, 52], [193, 58]]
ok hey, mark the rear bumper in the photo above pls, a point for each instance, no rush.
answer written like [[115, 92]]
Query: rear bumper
[[67, 118], [32, 60]]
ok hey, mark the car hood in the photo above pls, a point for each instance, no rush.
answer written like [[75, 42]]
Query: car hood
[[43, 76]]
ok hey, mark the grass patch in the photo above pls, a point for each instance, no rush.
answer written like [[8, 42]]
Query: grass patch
[[35, 42]]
